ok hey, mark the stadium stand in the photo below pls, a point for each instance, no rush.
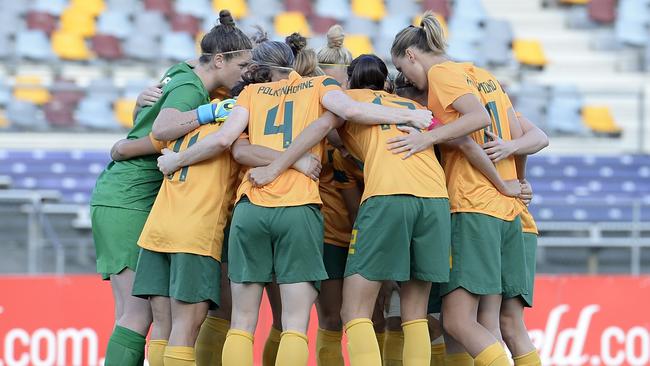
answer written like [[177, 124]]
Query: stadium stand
[[76, 66]]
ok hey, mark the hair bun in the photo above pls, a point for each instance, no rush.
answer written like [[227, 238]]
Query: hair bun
[[260, 36], [225, 18], [335, 36], [296, 42]]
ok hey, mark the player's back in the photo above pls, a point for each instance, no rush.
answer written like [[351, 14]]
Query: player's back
[[386, 173], [278, 112]]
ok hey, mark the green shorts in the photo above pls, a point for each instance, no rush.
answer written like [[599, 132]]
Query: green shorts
[[186, 277], [399, 238], [487, 255], [224, 246], [285, 243], [334, 258], [530, 248], [115, 233]]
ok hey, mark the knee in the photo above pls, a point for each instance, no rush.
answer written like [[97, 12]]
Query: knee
[[509, 323], [453, 326], [330, 320]]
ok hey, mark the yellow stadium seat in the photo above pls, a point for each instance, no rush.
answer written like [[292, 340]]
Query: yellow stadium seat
[[76, 21], [93, 7], [358, 44], [238, 8], [373, 9], [123, 111], [600, 120], [4, 122], [443, 23], [291, 21], [30, 88], [70, 46], [529, 52]]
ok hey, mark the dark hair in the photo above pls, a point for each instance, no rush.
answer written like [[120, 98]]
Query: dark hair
[[367, 72], [224, 37], [405, 89]]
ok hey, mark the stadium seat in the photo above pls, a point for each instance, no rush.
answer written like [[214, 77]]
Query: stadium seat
[[401, 8], [466, 29], [150, 23], [123, 109], [238, 8], [358, 44], [92, 7], [631, 22], [185, 23], [102, 89], [197, 8], [37, 20], [59, 114], [357, 25], [289, 22], [498, 51], [142, 47], [338, 9], [602, 11], [177, 46], [5, 94], [77, 21], [67, 92], [115, 23], [564, 110], [25, 115], [372, 9], [391, 25], [162, 6], [70, 46], [6, 47], [578, 18], [529, 52], [126, 6], [465, 51], [600, 120], [54, 7], [320, 24], [33, 45], [11, 25], [30, 89], [532, 102], [300, 6], [96, 113], [469, 9], [437, 6], [107, 47], [265, 8], [14, 7]]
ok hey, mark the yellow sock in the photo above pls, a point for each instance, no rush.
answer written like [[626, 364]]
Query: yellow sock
[[393, 348], [459, 359], [293, 350], [210, 341], [528, 359], [381, 341], [493, 355], [156, 352], [328, 348], [361, 348], [237, 349], [271, 347], [417, 344], [438, 354], [179, 356]]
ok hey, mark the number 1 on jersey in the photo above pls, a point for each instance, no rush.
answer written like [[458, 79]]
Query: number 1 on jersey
[[496, 121], [285, 128]]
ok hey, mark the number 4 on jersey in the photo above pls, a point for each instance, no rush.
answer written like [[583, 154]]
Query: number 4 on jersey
[[270, 128]]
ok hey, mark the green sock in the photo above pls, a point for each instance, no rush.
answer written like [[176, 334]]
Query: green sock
[[125, 348]]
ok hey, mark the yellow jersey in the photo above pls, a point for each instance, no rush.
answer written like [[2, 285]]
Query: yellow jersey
[[386, 173], [278, 112], [528, 224], [193, 205], [336, 217], [469, 189]]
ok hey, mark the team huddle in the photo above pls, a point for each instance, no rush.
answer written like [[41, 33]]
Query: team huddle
[[396, 205]]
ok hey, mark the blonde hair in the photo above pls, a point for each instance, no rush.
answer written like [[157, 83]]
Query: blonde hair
[[306, 63], [334, 53], [428, 37]]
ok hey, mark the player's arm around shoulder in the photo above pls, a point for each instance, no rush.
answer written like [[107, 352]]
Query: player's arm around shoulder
[[127, 149]]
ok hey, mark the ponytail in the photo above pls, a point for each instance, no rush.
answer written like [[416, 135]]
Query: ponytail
[[428, 37]]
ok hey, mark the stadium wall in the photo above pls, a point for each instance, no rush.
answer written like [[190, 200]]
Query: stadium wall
[[66, 321]]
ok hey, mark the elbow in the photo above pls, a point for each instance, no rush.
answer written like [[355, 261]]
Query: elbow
[[483, 120], [220, 144], [238, 153], [159, 133], [544, 141], [117, 152]]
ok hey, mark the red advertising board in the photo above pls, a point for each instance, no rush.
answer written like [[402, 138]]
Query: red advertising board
[[577, 320]]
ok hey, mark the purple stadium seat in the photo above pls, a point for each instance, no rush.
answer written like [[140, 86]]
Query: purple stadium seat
[[107, 47], [441, 7], [163, 6], [602, 11], [301, 6], [185, 23], [37, 20]]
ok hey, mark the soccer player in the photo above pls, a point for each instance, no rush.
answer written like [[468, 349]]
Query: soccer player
[[278, 229], [485, 222], [125, 191]]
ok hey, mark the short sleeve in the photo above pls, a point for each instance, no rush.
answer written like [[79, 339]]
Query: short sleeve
[[157, 145], [184, 98], [327, 84], [244, 99], [448, 84]]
